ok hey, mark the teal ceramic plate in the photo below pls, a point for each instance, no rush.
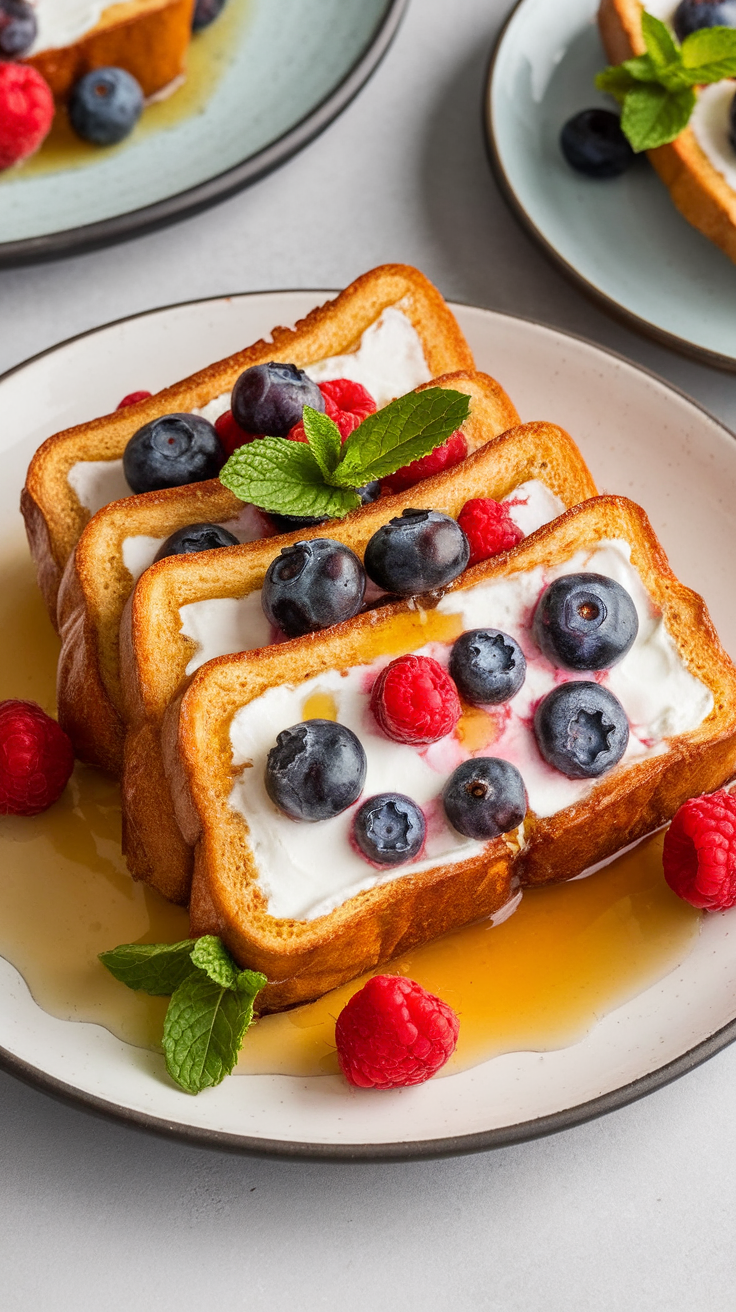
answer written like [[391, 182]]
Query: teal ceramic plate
[[622, 239], [263, 81]]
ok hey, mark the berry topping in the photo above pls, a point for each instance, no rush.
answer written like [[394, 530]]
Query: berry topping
[[489, 528], [691, 15], [205, 12], [488, 666], [443, 457], [353, 403], [585, 622], [581, 729], [312, 585], [392, 1033], [18, 28], [36, 759], [194, 538], [26, 112], [593, 143], [231, 435], [485, 797], [316, 770], [415, 701], [417, 552], [389, 829], [132, 399], [699, 855], [172, 451], [105, 106], [270, 398]]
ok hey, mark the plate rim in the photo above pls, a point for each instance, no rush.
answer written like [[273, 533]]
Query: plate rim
[[618, 311], [193, 200], [399, 1150]]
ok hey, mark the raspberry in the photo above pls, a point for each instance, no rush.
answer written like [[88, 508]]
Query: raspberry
[[346, 403], [699, 855], [36, 759], [231, 435], [132, 398], [26, 112], [415, 701], [446, 456], [488, 527], [393, 1033]]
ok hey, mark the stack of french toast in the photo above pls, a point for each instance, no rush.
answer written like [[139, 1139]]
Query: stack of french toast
[[620, 702]]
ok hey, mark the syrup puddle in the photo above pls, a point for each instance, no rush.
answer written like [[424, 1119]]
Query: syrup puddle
[[539, 981]]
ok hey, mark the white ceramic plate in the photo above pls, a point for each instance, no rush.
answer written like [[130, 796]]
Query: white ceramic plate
[[640, 438], [622, 239]]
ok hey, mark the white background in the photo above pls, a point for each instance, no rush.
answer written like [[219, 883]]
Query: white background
[[633, 1211]]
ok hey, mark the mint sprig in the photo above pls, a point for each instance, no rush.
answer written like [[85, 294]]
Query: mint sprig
[[655, 90], [211, 1003], [320, 477]]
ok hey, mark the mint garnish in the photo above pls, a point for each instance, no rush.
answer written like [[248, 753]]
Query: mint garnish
[[320, 477], [655, 90], [211, 1004]]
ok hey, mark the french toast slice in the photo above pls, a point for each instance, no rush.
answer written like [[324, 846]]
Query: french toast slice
[[148, 38], [100, 577], [158, 658], [53, 512], [682, 714], [698, 190]]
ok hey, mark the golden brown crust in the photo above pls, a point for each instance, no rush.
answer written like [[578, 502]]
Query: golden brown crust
[[331, 329], [304, 958], [155, 654], [149, 38], [698, 190]]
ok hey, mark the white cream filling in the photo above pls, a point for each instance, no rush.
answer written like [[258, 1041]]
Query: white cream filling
[[221, 626], [140, 550], [306, 870], [62, 22], [389, 362]]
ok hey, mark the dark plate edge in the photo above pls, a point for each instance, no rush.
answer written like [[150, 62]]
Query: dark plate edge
[[185, 204], [617, 311], [415, 1150]]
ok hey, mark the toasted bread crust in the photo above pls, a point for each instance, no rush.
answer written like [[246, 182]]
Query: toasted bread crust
[[155, 654], [149, 38], [301, 958], [698, 190], [330, 329]]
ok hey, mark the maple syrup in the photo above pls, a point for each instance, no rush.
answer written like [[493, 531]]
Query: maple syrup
[[209, 53], [539, 981]]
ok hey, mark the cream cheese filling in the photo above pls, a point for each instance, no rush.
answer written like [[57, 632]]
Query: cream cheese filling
[[62, 22]]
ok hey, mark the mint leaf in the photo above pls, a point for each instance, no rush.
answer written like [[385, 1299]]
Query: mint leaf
[[641, 67], [323, 436], [211, 956], [616, 81], [278, 474], [660, 45], [156, 968], [652, 116], [204, 1028], [405, 430], [709, 55]]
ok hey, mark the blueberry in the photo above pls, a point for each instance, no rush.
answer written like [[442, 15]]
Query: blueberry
[[316, 770], [417, 552], [289, 523], [485, 797], [171, 451], [581, 729], [488, 666], [18, 28], [312, 585], [389, 829], [270, 398], [593, 143], [205, 12], [585, 622], [105, 106], [691, 15], [196, 537]]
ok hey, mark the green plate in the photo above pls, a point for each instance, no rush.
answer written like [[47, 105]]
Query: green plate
[[263, 81]]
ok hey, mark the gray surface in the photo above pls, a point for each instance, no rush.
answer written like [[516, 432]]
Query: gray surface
[[635, 1210]]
